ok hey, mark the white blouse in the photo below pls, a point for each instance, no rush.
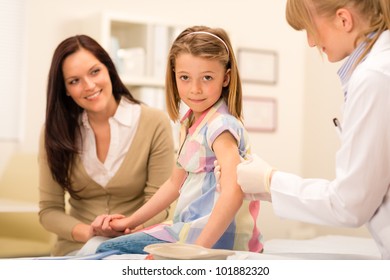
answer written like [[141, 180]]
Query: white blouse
[[123, 126]]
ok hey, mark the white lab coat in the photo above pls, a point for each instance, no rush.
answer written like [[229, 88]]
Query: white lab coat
[[360, 194]]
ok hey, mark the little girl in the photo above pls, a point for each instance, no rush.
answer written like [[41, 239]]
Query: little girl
[[201, 72]]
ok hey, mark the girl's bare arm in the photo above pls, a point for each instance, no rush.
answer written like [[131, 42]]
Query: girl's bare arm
[[165, 195], [231, 196]]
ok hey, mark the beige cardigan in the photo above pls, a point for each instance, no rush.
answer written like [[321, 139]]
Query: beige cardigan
[[147, 165]]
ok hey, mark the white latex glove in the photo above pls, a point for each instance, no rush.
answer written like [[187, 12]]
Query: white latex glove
[[251, 185], [253, 175]]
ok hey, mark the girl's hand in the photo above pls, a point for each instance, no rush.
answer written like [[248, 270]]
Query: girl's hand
[[121, 224], [101, 226]]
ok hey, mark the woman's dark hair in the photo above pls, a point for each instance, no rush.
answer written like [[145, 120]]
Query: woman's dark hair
[[62, 128]]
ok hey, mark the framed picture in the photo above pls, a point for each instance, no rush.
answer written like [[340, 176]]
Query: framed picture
[[258, 66], [260, 114]]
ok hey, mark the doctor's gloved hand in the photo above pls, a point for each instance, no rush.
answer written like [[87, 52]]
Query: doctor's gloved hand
[[254, 177]]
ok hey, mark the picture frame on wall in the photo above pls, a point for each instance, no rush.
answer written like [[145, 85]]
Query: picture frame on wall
[[258, 66], [260, 114]]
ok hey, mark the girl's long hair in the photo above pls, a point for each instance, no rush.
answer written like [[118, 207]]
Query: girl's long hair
[[204, 45]]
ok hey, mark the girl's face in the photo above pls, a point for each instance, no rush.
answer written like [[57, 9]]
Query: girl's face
[[200, 81], [88, 83], [333, 37]]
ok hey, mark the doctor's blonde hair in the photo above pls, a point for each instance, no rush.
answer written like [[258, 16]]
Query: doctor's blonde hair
[[209, 43], [299, 14]]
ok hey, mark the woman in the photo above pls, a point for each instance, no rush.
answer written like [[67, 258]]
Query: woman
[[358, 31], [99, 144]]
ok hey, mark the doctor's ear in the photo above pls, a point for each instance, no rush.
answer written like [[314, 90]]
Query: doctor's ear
[[344, 19]]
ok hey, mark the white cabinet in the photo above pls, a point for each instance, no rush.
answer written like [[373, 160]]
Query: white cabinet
[[139, 47]]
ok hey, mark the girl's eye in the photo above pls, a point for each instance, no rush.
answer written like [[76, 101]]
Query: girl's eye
[[184, 78], [208, 78]]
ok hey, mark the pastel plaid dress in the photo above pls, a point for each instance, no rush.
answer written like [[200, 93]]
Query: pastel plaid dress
[[198, 193]]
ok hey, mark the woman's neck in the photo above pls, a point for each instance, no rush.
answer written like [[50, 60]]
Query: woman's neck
[[101, 117]]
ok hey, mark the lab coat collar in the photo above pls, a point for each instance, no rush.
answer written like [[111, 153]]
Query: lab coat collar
[[346, 69]]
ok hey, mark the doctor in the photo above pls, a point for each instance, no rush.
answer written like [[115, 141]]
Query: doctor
[[357, 30]]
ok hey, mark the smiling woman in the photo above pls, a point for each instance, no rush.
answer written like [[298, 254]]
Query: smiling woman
[[99, 144], [87, 82]]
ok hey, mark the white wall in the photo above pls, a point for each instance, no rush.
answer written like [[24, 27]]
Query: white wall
[[256, 24], [306, 92]]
